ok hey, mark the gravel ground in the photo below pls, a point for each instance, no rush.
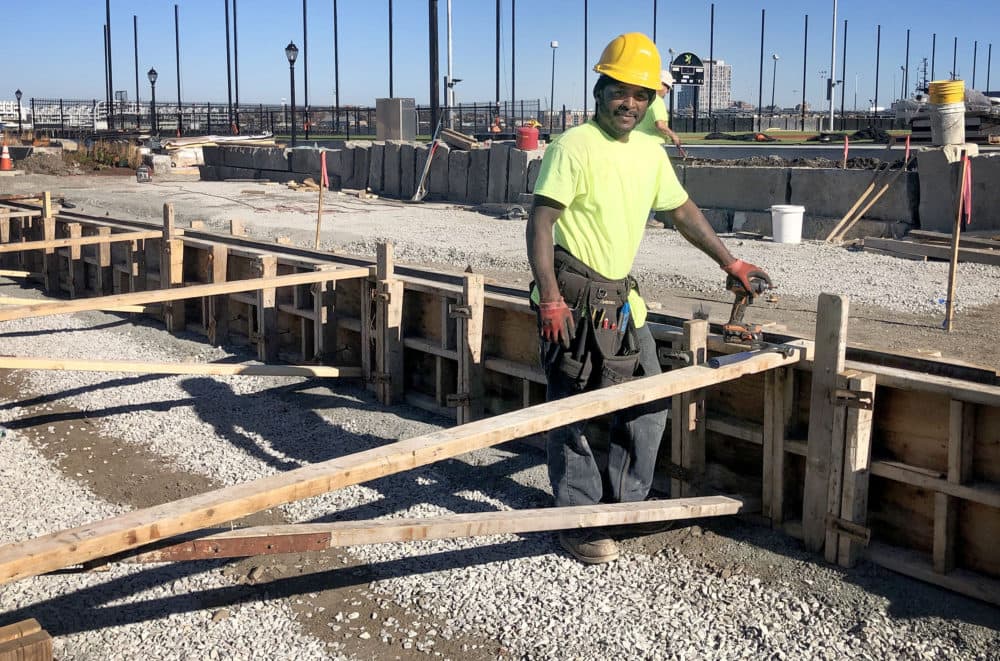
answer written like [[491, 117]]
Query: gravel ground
[[720, 589]]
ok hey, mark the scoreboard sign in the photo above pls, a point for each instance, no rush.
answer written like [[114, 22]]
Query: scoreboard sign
[[688, 69]]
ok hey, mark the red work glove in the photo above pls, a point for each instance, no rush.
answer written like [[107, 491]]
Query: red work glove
[[744, 271], [557, 322]]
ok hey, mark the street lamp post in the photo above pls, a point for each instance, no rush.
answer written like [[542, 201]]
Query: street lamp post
[[774, 74], [152, 75], [17, 95], [292, 52], [552, 86]]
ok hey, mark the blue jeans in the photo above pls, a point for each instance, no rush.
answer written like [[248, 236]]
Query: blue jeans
[[635, 436]]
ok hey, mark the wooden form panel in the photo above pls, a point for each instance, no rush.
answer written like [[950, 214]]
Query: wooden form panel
[[986, 445], [912, 428], [900, 514]]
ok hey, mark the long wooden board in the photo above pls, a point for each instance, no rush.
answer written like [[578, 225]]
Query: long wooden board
[[13, 300], [104, 538], [181, 293], [73, 242], [211, 369], [970, 255], [299, 537]]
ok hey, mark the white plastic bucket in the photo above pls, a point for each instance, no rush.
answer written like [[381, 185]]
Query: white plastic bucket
[[948, 124], [786, 223]]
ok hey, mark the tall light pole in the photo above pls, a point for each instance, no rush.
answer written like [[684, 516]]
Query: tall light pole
[[832, 82], [152, 75], [552, 86], [774, 75], [17, 95], [292, 52]]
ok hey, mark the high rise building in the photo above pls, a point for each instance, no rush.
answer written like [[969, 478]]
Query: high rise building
[[721, 81]]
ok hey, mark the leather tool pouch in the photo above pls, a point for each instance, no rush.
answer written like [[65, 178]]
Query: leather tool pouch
[[602, 353]]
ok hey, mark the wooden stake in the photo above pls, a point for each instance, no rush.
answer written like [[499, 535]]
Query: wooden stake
[[319, 206], [389, 293], [688, 423], [857, 461], [140, 527], [180, 293], [300, 537], [469, 315], [212, 369], [831, 343], [949, 316]]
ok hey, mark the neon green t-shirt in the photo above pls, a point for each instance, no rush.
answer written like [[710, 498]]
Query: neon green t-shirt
[[656, 112], [608, 188]]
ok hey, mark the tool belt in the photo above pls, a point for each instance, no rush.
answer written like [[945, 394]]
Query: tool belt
[[605, 349]]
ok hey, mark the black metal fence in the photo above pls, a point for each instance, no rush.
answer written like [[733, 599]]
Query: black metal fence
[[75, 117], [80, 117]]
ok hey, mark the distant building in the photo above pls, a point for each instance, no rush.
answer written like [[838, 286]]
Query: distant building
[[721, 81]]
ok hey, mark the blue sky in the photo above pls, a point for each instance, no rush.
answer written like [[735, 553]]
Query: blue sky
[[56, 50]]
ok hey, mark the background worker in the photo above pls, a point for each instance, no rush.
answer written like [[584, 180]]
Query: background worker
[[593, 194], [657, 120]]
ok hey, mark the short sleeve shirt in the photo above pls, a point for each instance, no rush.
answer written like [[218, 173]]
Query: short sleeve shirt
[[656, 112], [607, 188]]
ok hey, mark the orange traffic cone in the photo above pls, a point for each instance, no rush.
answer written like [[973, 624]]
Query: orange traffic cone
[[6, 163]]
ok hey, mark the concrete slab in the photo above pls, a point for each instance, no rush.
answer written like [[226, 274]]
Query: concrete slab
[[437, 183], [269, 158], [227, 172], [213, 155], [496, 190], [739, 189], [458, 175], [831, 193], [239, 157], [407, 166], [376, 159], [534, 165], [363, 165], [390, 170], [517, 174], [346, 168], [479, 175]]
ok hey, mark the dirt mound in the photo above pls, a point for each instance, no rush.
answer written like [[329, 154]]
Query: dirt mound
[[47, 164]]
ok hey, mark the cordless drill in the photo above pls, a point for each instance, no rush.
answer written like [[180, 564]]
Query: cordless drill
[[736, 330]]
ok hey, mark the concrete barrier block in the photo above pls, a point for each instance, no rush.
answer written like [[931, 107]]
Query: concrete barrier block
[[227, 172], [438, 179], [479, 175], [375, 169], [458, 175], [269, 158], [208, 172], [390, 170], [831, 193], [345, 168], [534, 165], [407, 166], [517, 174], [363, 155], [334, 167], [238, 157], [213, 155], [940, 171], [985, 192], [751, 221], [740, 189], [303, 161], [496, 190], [281, 176]]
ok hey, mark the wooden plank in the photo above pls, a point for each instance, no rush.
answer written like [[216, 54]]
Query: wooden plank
[[470, 349], [901, 379], [961, 427], [388, 328], [831, 344], [784, 409], [217, 369], [857, 459], [964, 241], [134, 529], [266, 332], [966, 255], [835, 484], [299, 537], [217, 307], [181, 293], [18, 273], [986, 494], [33, 647], [77, 241], [13, 300], [19, 630], [50, 261], [918, 565], [691, 421]]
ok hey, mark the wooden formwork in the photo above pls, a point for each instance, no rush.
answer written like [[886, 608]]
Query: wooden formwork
[[887, 457]]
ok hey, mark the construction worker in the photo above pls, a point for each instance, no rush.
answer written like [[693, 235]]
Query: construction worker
[[594, 191], [657, 120]]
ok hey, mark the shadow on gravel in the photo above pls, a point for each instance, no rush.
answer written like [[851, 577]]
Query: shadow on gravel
[[85, 610], [57, 396], [907, 597], [60, 331]]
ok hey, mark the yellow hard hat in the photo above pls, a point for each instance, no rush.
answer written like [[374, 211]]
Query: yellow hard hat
[[631, 58]]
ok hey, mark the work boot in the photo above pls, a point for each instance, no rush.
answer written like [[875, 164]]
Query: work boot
[[591, 546]]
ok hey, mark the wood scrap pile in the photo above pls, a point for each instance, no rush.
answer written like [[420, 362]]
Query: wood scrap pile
[[307, 184], [923, 245]]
